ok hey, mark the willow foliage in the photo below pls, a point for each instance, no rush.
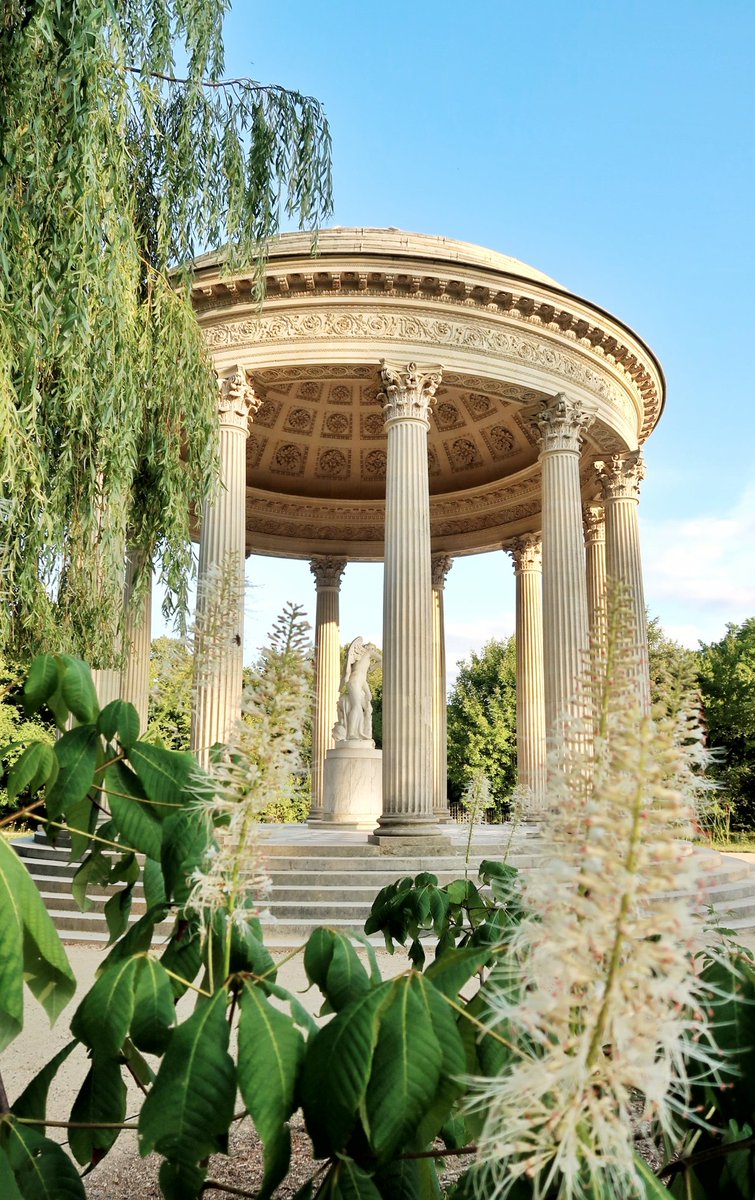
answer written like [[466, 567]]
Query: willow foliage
[[114, 173]]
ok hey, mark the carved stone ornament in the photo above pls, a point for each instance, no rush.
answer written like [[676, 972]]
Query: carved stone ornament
[[327, 571], [409, 391], [440, 565], [621, 476], [526, 552], [562, 422], [594, 516], [483, 336], [237, 401]]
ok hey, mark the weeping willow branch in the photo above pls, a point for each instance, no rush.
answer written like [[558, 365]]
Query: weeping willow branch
[[108, 190]]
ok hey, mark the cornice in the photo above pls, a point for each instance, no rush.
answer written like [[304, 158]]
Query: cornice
[[230, 317]]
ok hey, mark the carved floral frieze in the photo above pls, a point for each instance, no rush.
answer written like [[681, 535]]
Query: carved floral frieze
[[480, 335]]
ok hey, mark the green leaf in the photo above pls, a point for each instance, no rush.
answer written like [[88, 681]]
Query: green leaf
[[117, 912], [187, 1113], [137, 939], [41, 682], [183, 956], [406, 1067], [165, 775], [181, 1181], [453, 1064], [121, 718], [186, 838], [336, 1071], [271, 1050], [103, 1018], [8, 1186], [77, 689], [299, 1013], [94, 870], [332, 963], [654, 1189], [101, 1098], [76, 752], [32, 1102], [733, 1004], [132, 812], [42, 1170], [350, 1182], [450, 972], [140, 1068], [32, 769], [154, 888], [30, 949], [408, 1179], [11, 950], [81, 821], [154, 1009]]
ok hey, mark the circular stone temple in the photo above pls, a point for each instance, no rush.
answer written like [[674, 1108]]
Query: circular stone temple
[[407, 398]]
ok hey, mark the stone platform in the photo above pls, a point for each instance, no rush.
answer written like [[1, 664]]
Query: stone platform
[[330, 876]]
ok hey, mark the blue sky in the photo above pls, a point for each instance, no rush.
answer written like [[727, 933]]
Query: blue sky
[[610, 145]]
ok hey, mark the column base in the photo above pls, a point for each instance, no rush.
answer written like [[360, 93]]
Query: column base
[[402, 834]]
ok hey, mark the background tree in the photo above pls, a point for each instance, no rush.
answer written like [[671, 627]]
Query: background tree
[[170, 690], [113, 174], [482, 721], [727, 682], [17, 729], [673, 669]]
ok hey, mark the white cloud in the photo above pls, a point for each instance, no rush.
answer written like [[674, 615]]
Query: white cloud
[[700, 571]]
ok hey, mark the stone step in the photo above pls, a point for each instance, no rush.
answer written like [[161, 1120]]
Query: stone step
[[60, 885], [396, 867], [315, 883], [66, 903]]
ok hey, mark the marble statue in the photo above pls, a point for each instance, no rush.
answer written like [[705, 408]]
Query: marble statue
[[354, 722]]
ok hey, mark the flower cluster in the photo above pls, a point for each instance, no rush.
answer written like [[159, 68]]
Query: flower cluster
[[253, 770], [598, 988]]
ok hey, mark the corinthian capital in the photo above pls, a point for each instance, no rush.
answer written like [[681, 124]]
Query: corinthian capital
[[621, 475], [408, 391], [594, 516], [527, 552], [561, 423], [327, 571], [440, 565], [237, 401]]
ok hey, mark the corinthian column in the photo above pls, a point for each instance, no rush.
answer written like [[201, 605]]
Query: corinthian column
[[620, 478], [440, 566], [220, 589], [595, 551], [138, 639], [526, 552], [327, 572], [561, 424], [407, 609]]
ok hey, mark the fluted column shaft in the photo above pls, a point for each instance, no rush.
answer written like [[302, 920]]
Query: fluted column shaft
[[407, 609], [620, 477], [138, 639], [531, 754], [327, 572], [220, 589], [595, 552], [561, 423], [440, 566]]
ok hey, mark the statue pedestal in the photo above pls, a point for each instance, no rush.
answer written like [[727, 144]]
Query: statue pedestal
[[353, 785]]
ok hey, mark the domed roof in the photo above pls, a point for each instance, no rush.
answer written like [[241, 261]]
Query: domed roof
[[397, 243], [504, 336]]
